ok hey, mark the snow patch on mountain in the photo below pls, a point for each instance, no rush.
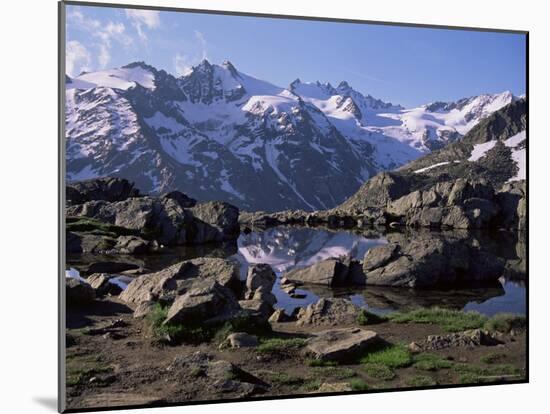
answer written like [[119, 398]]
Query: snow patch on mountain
[[121, 78]]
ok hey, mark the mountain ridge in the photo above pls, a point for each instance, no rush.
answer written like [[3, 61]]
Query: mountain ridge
[[217, 133]]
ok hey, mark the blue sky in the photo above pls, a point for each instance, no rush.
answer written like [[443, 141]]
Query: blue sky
[[409, 66]]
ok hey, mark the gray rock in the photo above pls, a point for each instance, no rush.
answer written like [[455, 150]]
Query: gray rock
[[424, 259], [100, 282], [328, 272], [78, 292], [260, 277], [471, 338], [155, 286], [143, 309], [205, 302], [182, 199], [340, 344], [215, 221], [108, 188], [132, 245], [328, 311], [241, 340], [220, 375], [279, 315]]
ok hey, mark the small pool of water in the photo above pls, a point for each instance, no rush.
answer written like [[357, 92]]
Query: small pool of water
[[286, 248]]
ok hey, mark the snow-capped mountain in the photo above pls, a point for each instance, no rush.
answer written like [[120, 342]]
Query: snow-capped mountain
[[217, 133]]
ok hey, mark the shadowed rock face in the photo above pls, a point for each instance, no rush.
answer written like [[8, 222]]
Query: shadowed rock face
[[424, 259], [108, 189], [165, 219]]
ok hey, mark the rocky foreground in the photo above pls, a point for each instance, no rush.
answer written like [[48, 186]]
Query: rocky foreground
[[194, 331]]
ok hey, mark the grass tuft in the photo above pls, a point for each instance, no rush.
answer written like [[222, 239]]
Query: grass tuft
[[280, 345], [449, 320], [357, 384], [379, 371], [431, 362], [368, 318], [392, 356], [420, 381], [505, 322]]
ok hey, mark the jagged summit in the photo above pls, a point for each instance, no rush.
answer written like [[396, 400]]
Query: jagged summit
[[219, 133]]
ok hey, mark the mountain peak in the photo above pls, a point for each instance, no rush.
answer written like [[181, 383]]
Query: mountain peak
[[343, 85], [230, 67], [139, 64]]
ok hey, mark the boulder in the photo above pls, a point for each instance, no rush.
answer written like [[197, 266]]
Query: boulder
[[132, 245], [78, 292], [241, 340], [178, 278], [155, 286], [460, 204], [328, 311], [423, 259], [471, 338], [182, 199], [215, 221], [205, 302], [143, 309], [340, 344], [221, 376], [107, 188], [279, 315], [164, 218], [260, 277], [102, 285], [329, 272]]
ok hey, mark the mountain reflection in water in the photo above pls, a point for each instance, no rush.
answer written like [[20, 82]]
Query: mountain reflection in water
[[285, 248]]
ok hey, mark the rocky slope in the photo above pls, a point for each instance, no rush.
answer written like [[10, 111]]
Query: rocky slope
[[219, 134], [109, 216], [477, 182]]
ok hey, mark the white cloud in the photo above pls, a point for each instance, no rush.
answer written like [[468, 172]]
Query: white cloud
[[77, 58], [106, 33], [140, 18], [182, 64], [202, 41]]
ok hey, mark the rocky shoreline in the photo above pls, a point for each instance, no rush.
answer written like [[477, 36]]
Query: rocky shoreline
[[196, 330]]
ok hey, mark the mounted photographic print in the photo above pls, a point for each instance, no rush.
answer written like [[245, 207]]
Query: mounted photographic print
[[263, 206]]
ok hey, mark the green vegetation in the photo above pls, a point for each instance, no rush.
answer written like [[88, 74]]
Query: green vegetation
[[492, 358], [338, 373], [186, 333], [320, 363], [505, 322], [475, 374], [392, 356], [368, 318], [311, 385], [280, 345], [420, 381], [430, 362], [81, 368], [379, 371], [357, 384], [284, 378], [85, 224], [449, 320], [176, 332]]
